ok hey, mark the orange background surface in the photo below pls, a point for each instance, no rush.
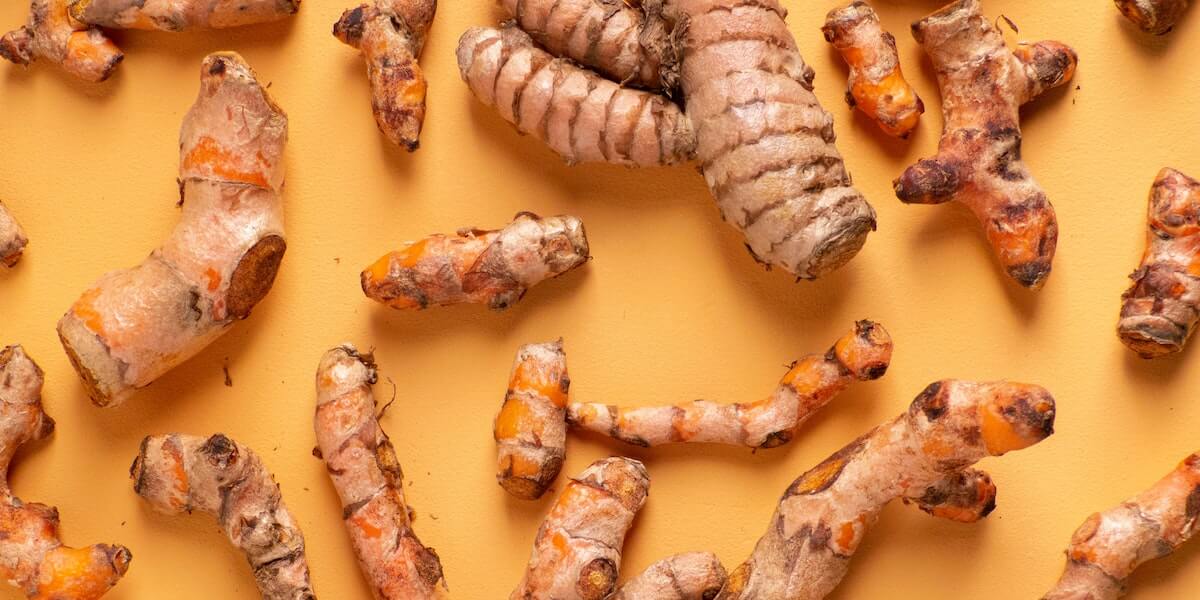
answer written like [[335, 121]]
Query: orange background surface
[[671, 309]]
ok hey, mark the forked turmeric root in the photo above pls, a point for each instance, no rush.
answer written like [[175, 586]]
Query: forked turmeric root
[[390, 34], [134, 325], [362, 463], [877, 86], [32, 557], [179, 473], [51, 34], [494, 267], [1153, 16], [1160, 309], [12, 238], [1109, 546], [762, 140], [180, 15], [979, 164], [824, 515]]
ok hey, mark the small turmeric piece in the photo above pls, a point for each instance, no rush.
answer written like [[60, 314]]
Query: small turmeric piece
[[823, 516], [686, 576], [51, 34], [12, 238], [180, 15], [1109, 546], [531, 427], [1153, 16], [32, 557], [862, 354], [390, 34], [578, 114], [134, 325], [877, 86], [362, 463], [1160, 309], [983, 86], [493, 267], [965, 496], [577, 551], [179, 473]]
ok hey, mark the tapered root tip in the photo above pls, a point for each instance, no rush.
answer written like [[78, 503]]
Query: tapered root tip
[[1031, 274], [866, 352], [1016, 416]]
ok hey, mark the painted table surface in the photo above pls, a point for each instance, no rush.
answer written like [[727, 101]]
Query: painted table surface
[[671, 309]]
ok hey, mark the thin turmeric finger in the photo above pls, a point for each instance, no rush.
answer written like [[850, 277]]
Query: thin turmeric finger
[[180, 15]]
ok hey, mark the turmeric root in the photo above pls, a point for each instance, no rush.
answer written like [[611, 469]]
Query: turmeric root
[[577, 551], [877, 86], [580, 115], [390, 35], [179, 473], [362, 463], [965, 496], [12, 238], [762, 140], [493, 267], [32, 557], [1160, 309], [52, 35], [825, 513], [1109, 546], [180, 15], [134, 325], [1153, 16], [687, 576], [862, 354], [983, 84], [531, 428]]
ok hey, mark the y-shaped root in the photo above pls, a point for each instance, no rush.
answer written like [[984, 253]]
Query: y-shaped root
[[51, 34]]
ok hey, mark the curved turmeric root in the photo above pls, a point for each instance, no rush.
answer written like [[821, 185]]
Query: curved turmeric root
[[12, 238], [180, 15], [577, 551], [825, 513], [763, 143], [1159, 311], [877, 86], [983, 86], [134, 325], [179, 473], [1109, 546], [32, 557], [1153, 16], [53, 35], [531, 427], [862, 354], [494, 267], [390, 35], [687, 576], [578, 114], [362, 463]]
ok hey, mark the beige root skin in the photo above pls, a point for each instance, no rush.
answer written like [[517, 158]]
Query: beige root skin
[[12, 238], [133, 325], [687, 576], [577, 551], [477, 266], [179, 473], [180, 15], [1153, 16], [983, 86], [362, 464], [877, 86], [824, 515], [1160, 309], [53, 35], [1109, 546], [32, 557], [578, 114], [531, 427], [390, 34], [862, 354]]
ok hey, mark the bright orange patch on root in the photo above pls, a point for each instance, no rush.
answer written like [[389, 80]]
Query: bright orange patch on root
[[214, 279], [72, 573], [85, 310], [222, 161], [547, 382], [366, 527], [998, 434], [820, 476], [806, 376], [516, 418]]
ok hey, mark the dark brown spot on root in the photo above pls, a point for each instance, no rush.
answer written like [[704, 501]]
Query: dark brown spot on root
[[776, 439], [930, 402], [254, 275], [1031, 274], [221, 451]]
